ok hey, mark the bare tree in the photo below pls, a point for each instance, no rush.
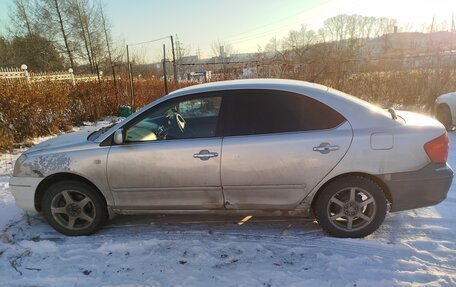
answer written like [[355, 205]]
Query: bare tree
[[108, 46], [62, 29], [300, 42], [78, 28], [93, 33], [221, 49], [350, 27], [78, 20], [54, 25], [91, 37], [21, 17]]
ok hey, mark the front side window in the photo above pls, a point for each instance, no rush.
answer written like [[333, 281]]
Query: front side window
[[267, 111], [186, 119]]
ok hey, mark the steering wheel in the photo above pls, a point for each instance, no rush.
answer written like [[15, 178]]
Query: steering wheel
[[180, 121]]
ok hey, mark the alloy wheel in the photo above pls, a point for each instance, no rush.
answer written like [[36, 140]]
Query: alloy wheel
[[351, 209], [73, 209]]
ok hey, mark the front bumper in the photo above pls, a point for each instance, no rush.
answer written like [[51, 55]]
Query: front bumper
[[23, 190], [425, 187]]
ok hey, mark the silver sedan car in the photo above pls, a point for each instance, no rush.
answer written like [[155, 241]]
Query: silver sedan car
[[257, 147]]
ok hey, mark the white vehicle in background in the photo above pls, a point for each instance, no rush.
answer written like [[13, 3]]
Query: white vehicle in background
[[445, 109]]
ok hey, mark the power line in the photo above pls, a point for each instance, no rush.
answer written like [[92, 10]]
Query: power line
[[281, 20], [146, 42], [266, 33]]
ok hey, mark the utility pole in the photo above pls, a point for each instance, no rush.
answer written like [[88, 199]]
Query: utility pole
[[165, 80], [179, 49], [179, 55], [176, 81], [130, 77], [222, 57], [164, 64], [453, 35], [453, 24]]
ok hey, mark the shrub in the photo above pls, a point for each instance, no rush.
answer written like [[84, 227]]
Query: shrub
[[45, 108]]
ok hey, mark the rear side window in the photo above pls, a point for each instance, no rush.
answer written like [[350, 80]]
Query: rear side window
[[253, 112]]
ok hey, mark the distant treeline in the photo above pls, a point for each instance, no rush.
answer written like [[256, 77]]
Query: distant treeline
[[50, 35]]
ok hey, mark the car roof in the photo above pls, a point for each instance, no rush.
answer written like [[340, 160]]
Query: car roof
[[278, 84], [342, 102]]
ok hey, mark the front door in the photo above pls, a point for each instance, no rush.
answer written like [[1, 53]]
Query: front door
[[171, 158]]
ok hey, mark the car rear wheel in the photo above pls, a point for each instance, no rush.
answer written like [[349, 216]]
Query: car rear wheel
[[74, 208], [444, 116], [352, 206]]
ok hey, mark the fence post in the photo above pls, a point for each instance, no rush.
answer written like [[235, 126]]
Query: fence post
[[26, 74], [70, 70]]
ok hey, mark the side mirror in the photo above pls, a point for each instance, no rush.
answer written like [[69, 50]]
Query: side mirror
[[118, 137]]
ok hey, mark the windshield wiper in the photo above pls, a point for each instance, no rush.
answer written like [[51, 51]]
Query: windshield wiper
[[106, 128], [100, 131]]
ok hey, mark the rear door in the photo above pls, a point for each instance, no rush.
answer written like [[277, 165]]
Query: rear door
[[277, 146]]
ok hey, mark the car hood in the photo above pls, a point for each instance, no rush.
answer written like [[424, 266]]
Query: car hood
[[69, 140]]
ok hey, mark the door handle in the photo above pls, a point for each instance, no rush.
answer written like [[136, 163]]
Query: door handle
[[205, 154], [326, 148]]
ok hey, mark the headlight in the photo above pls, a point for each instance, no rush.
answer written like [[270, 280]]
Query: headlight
[[18, 165]]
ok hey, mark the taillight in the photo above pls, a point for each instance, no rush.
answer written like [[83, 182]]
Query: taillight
[[437, 149]]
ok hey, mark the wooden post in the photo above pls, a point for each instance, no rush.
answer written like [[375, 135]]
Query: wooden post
[[164, 70], [130, 77]]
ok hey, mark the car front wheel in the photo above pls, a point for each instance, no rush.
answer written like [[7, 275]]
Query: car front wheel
[[74, 208], [352, 206]]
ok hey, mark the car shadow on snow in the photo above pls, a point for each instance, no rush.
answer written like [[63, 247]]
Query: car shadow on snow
[[34, 227]]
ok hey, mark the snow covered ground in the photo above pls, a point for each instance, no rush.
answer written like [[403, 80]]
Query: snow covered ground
[[413, 248]]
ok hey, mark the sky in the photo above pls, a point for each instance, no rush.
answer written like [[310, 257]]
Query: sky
[[244, 24]]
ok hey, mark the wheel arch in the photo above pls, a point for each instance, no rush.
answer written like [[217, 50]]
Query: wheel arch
[[450, 108], [374, 178], [59, 177]]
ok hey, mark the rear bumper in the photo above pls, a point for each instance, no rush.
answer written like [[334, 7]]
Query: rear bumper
[[23, 190], [425, 187]]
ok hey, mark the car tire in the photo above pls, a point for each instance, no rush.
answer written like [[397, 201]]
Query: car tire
[[74, 208], [353, 206], [444, 116]]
